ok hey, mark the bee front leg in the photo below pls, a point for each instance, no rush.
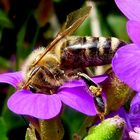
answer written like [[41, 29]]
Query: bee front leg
[[96, 92]]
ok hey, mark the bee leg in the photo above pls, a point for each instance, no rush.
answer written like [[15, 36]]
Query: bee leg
[[100, 106], [96, 92], [32, 88], [89, 82]]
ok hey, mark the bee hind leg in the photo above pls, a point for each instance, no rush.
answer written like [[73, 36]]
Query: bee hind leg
[[95, 92]]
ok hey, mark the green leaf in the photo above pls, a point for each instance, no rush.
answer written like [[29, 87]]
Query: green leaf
[[120, 29], [5, 21], [72, 122], [4, 63], [22, 51], [12, 120], [3, 129], [109, 129], [57, 1]]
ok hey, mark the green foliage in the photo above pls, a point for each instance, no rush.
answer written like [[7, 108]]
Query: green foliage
[[120, 30], [72, 121], [3, 129], [5, 21], [12, 120], [109, 129], [4, 63]]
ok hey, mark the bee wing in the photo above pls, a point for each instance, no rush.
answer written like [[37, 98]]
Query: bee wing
[[73, 21]]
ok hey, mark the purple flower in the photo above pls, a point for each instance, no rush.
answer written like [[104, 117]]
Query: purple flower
[[126, 62], [135, 135], [43, 106], [133, 119]]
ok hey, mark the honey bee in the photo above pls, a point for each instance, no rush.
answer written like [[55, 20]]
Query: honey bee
[[46, 69]]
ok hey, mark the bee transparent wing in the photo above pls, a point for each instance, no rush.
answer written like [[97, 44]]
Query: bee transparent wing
[[73, 21]]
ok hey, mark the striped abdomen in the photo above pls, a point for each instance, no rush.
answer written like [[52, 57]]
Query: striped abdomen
[[88, 51]]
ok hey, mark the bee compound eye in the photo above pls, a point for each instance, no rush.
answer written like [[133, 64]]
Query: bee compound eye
[[32, 88]]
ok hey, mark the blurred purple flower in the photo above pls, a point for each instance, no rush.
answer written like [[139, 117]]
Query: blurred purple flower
[[132, 118], [135, 135], [43, 106], [126, 62]]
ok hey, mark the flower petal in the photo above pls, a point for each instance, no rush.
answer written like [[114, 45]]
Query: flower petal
[[79, 99], [126, 64], [133, 29], [40, 106], [135, 105], [13, 78], [99, 78], [134, 113], [80, 83], [130, 8], [134, 120], [137, 129], [135, 135]]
